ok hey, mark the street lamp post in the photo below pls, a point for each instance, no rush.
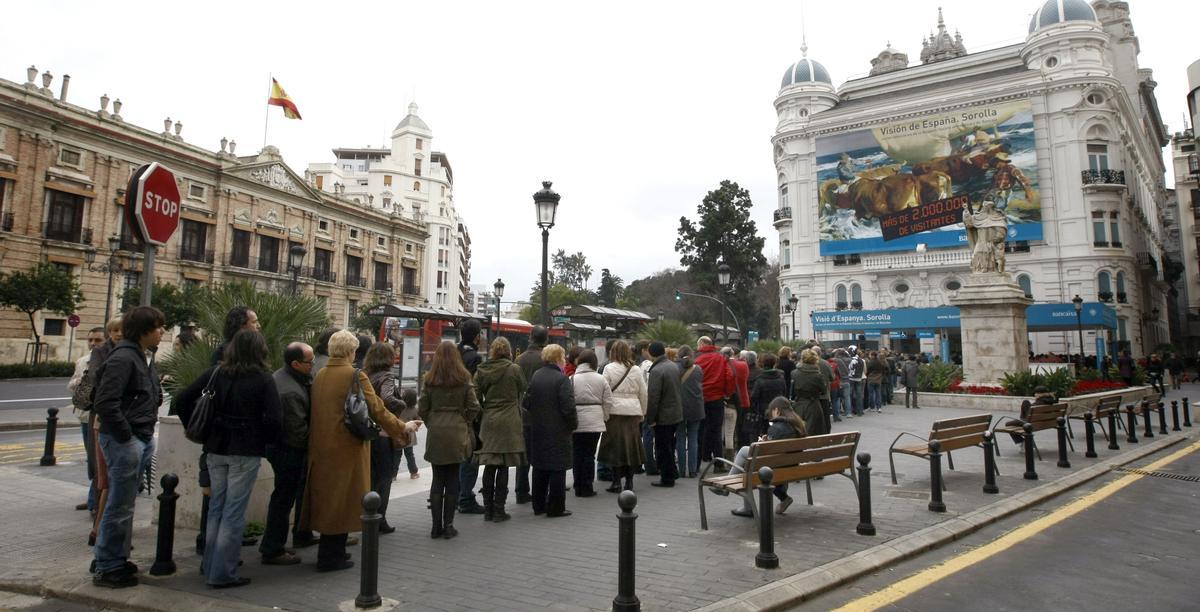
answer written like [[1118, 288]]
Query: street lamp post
[[295, 260], [546, 202], [1078, 301], [723, 281], [792, 301], [113, 266], [660, 315], [499, 289]]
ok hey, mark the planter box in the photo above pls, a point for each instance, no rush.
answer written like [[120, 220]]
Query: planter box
[[1012, 403]]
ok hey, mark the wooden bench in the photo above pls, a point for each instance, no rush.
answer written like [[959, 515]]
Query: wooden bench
[[1041, 416], [791, 460], [1105, 407], [953, 434]]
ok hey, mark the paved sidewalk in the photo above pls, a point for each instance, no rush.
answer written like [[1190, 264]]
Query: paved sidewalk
[[560, 564]]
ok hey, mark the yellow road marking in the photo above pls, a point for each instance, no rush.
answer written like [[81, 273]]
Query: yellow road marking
[[927, 577]]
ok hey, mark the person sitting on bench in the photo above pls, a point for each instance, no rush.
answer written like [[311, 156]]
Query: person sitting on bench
[[1041, 395], [784, 424]]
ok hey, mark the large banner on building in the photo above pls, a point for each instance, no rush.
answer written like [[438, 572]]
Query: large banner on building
[[906, 182]]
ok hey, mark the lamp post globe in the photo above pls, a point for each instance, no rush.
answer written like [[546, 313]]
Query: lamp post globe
[[661, 314], [499, 289], [792, 301], [546, 204], [1078, 302], [723, 274]]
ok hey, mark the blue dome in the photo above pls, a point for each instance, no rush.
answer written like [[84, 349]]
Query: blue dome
[[805, 71], [1059, 11]]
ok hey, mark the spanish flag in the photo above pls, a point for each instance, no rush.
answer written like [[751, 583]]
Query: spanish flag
[[280, 98]]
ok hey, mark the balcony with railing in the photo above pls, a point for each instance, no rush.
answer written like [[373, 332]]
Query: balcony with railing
[[67, 233], [383, 286], [940, 258], [411, 289], [356, 281], [196, 255], [324, 275], [783, 215], [1103, 179]]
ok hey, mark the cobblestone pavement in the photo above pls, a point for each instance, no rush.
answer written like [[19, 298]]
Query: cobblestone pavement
[[567, 563]]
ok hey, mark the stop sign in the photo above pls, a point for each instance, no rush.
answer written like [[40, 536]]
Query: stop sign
[[153, 198]]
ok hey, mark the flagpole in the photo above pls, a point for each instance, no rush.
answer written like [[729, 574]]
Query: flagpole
[[267, 116]]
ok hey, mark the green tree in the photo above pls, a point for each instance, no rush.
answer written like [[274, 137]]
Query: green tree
[[559, 295], [364, 323], [45, 287], [611, 289], [179, 306], [571, 270], [669, 332], [725, 232]]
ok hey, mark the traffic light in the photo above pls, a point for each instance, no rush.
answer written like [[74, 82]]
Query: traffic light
[[678, 296]]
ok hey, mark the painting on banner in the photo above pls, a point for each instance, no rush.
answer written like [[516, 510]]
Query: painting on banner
[[906, 182]]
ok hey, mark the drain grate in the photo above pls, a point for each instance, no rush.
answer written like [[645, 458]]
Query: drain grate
[[1183, 477]]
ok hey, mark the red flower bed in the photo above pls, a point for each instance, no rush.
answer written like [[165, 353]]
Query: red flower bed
[[958, 387], [1084, 387]]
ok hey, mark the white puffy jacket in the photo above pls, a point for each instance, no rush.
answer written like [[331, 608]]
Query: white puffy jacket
[[629, 398], [593, 399]]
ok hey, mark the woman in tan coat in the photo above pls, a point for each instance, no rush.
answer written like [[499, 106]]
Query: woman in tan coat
[[339, 464]]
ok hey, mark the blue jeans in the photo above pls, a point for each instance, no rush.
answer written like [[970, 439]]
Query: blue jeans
[[116, 528], [233, 479], [687, 446], [874, 399], [88, 449], [835, 403], [856, 396]]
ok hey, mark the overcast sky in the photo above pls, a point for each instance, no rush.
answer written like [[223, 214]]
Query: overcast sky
[[634, 109]]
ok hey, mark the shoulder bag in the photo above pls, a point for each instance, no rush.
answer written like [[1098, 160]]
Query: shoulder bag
[[201, 423], [622, 379], [357, 415]]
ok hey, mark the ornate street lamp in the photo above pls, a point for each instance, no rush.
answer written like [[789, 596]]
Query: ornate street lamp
[[546, 203], [1078, 301], [112, 267], [499, 289], [723, 281], [792, 301], [660, 315], [295, 260]]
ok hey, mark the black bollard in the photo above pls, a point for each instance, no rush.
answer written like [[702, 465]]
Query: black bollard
[[1148, 432], [1112, 431], [1130, 425], [1162, 418], [1089, 428], [1187, 413], [865, 526], [164, 555], [989, 464], [935, 477], [368, 583], [1175, 416], [766, 557], [51, 432], [1061, 426], [626, 600], [1030, 471]]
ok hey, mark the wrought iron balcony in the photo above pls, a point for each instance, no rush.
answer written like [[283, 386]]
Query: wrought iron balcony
[[1103, 178], [412, 289], [383, 286], [67, 233], [1105, 296], [783, 214], [196, 255], [356, 281], [319, 274]]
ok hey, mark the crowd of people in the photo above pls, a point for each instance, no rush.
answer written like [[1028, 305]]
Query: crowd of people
[[646, 409]]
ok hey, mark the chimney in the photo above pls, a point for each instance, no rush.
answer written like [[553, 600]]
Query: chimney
[[66, 82]]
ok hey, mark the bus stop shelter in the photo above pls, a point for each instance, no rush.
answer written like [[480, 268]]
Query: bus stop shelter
[[617, 320], [730, 335], [422, 315]]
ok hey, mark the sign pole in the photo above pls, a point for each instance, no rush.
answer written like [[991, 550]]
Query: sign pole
[[148, 274], [71, 343]]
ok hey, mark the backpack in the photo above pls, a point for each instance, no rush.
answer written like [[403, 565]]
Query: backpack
[[856, 367], [837, 378]]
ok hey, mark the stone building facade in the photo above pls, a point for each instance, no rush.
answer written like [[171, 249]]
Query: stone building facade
[[64, 170], [1093, 140]]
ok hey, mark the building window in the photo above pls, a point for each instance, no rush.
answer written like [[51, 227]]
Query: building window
[[408, 247], [441, 279], [420, 144], [1026, 285], [1122, 330], [381, 242], [1097, 156], [354, 234], [323, 265], [351, 310], [387, 180], [416, 185], [856, 296], [1098, 229], [417, 167], [197, 192], [840, 297], [133, 280], [193, 240], [443, 257], [953, 285], [268, 254], [54, 327], [1095, 99], [443, 191], [387, 202], [64, 219], [323, 226], [1114, 230], [239, 254], [1104, 286], [3, 204], [354, 271], [320, 182], [785, 250], [783, 196], [70, 157], [410, 280], [1122, 297], [901, 288], [383, 272]]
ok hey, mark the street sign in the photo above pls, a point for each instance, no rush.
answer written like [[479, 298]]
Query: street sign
[[73, 320], [560, 320], [924, 334], [153, 198], [751, 336]]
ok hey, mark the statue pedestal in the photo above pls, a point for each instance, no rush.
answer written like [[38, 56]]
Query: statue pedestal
[[995, 337]]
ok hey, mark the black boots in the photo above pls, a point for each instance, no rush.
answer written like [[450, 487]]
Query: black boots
[[435, 507], [448, 530], [488, 491]]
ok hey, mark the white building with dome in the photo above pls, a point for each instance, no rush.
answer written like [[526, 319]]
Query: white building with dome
[[1062, 132], [413, 181]]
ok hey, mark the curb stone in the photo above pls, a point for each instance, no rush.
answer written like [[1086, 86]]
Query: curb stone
[[146, 597], [24, 425], [798, 588]]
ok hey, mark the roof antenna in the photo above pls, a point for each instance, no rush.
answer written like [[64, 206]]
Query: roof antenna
[[803, 33]]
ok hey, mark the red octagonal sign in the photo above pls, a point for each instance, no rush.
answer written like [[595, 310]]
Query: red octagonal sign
[[153, 198]]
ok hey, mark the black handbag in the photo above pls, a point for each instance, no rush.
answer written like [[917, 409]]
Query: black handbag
[[201, 423], [357, 415]]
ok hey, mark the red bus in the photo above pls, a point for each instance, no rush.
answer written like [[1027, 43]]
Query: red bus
[[408, 344]]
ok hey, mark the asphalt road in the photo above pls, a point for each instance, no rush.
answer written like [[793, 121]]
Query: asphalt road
[[1138, 549], [26, 399]]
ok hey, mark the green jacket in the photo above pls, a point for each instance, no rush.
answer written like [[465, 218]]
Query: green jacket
[[448, 413], [808, 383], [499, 385]]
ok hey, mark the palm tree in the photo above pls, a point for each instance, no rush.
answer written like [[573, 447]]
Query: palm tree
[[669, 332]]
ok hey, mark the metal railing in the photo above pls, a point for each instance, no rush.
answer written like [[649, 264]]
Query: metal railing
[[319, 274], [783, 214], [197, 255], [81, 235], [1103, 177], [412, 289], [383, 286], [356, 281]]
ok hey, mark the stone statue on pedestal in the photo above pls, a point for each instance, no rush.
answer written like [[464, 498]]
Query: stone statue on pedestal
[[987, 230]]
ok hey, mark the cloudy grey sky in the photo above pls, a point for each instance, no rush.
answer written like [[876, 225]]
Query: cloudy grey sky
[[634, 109]]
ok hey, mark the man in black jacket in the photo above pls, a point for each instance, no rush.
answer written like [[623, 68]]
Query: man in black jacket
[[664, 411], [289, 458], [468, 471], [529, 360], [126, 404]]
